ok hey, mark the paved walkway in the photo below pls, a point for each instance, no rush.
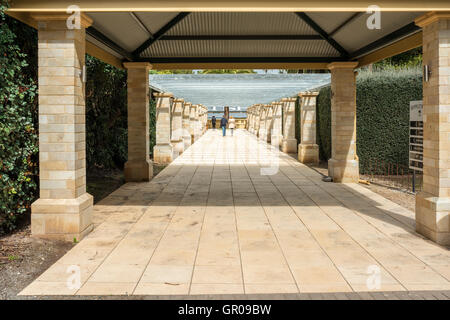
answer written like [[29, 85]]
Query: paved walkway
[[232, 216]]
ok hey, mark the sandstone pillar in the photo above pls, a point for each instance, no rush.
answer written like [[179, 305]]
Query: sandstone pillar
[[177, 127], [64, 209], [343, 165], [163, 150], [289, 143], [262, 122], [138, 167], [193, 123], [433, 203], [308, 150], [187, 125], [276, 137], [269, 122]]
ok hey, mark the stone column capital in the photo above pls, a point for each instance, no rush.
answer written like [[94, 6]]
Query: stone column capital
[[431, 17], [342, 65], [308, 94], [178, 100], [163, 95], [137, 65], [85, 21]]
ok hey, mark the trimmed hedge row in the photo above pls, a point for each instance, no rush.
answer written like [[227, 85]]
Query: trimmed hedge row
[[382, 115]]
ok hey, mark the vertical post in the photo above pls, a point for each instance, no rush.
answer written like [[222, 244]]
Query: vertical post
[[163, 150], [257, 119], [262, 123], [269, 122], [276, 137], [343, 165], [64, 209], [187, 125], [177, 127], [193, 123], [138, 167], [308, 150], [433, 203], [289, 143]]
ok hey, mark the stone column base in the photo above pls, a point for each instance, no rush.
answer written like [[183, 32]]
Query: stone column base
[[289, 145], [163, 153], [178, 147], [308, 153], [187, 142], [138, 171], [433, 217], [262, 136], [275, 140], [62, 219], [344, 171]]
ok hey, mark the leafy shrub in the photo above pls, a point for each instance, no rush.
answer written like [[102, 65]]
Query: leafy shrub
[[106, 115], [18, 136], [382, 115]]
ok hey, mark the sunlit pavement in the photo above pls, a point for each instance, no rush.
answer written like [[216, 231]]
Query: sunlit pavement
[[233, 215]]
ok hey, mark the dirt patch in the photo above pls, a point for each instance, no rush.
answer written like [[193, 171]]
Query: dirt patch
[[400, 197], [23, 259]]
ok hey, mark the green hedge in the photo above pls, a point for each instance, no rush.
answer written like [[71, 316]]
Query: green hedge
[[382, 115], [106, 119], [18, 136]]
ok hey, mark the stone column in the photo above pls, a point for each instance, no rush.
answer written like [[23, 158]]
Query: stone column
[[269, 122], [343, 165], [276, 137], [262, 122], [289, 143], [257, 113], [433, 203], [64, 209], [187, 125], [308, 150], [193, 123], [138, 167], [163, 150], [251, 119], [177, 127]]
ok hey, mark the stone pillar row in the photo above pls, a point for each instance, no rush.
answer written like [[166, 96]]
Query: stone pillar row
[[275, 124], [178, 125]]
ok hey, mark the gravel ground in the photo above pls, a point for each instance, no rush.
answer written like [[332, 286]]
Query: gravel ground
[[23, 258]]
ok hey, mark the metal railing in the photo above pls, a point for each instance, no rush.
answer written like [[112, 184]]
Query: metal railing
[[394, 175]]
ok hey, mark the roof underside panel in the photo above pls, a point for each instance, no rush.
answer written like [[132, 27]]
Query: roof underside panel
[[240, 48], [241, 23], [247, 34]]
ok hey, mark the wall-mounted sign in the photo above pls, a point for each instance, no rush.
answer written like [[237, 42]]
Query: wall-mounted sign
[[416, 135]]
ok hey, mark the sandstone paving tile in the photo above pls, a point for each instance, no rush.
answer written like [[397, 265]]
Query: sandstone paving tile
[[106, 288], [147, 288], [217, 274], [324, 288], [173, 256], [252, 288], [124, 272], [216, 288], [39, 288], [419, 277], [319, 275], [262, 274], [61, 272], [168, 274]]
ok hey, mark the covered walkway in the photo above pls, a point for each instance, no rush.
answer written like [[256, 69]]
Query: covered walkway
[[235, 215]]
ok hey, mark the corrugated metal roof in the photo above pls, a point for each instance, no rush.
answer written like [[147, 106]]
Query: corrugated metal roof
[[241, 48], [130, 32], [241, 23], [236, 90]]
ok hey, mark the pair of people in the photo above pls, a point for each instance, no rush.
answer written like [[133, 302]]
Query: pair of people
[[223, 124]]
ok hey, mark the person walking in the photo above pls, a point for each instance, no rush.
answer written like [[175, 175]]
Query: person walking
[[213, 122], [223, 125], [232, 125]]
